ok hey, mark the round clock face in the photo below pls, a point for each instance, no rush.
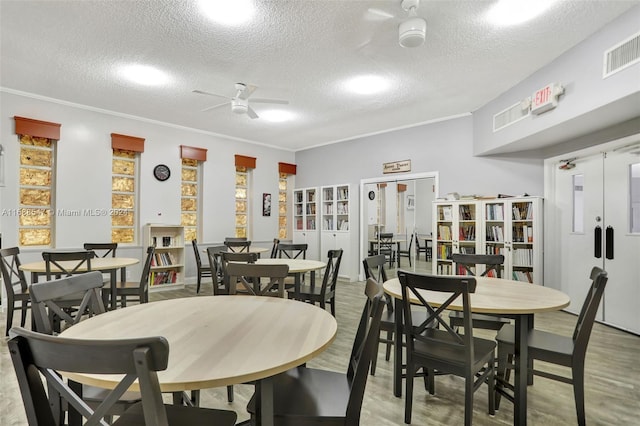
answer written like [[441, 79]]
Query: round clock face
[[161, 172], [372, 195]]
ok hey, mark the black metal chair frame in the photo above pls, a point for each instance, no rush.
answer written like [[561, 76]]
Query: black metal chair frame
[[387, 246], [274, 248], [214, 253], [238, 246], [406, 253], [203, 270], [327, 291], [250, 275], [137, 289], [293, 251]]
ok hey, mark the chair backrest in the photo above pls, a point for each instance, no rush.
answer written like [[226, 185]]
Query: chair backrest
[[444, 335], [50, 298], [331, 271], [104, 249], [274, 248], [584, 325], [363, 350], [238, 246], [293, 251], [410, 242], [12, 276], [418, 246], [234, 239], [65, 263], [374, 268], [196, 253], [229, 256], [144, 277], [385, 242], [35, 355], [250, 275], [492, 262], [214, 253]]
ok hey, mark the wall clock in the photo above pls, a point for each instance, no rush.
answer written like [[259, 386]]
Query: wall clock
[[161, 172], [372, 195]]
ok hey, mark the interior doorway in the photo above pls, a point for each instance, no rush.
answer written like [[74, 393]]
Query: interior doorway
[[593, 219], [400, 205]]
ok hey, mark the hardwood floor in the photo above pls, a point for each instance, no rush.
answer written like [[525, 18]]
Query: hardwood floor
[[612, 378]]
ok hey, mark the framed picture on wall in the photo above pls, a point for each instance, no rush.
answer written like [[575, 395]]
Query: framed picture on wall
[[411, 202], [266, 204]]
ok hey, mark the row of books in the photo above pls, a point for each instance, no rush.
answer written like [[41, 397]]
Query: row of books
[[163, 259], [443, 251], [523, 257], [445, 269], [467, 233], [494, 212], [522, 234], [526, 276], [343, 193], [163, 277], [164, 241], [342, 208], [445, 213], [467, 212], [444, 232], [311, 209], [523, 211], [494, 233]]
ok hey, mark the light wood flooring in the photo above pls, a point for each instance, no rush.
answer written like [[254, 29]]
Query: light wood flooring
[[612, 378]]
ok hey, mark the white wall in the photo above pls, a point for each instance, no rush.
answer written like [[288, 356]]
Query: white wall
[[83, 175]]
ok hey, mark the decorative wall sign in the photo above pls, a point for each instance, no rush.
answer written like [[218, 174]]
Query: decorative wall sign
[[266, 204], [396, 167]]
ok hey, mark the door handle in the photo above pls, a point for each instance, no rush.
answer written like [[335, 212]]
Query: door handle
[[597, 243], [608, 253]]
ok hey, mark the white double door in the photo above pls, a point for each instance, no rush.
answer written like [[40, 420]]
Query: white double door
[[597, 214]]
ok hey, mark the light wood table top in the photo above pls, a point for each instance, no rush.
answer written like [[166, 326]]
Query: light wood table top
[[251, 250], [97, 264], [496, 296], [296, 266], [267, 336]]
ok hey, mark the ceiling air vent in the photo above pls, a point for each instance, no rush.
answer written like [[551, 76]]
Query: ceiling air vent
[[622, 55], [510, 115]]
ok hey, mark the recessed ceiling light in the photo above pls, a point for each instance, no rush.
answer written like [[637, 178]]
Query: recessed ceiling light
[[512, 12], [144, 74], [228, 12], [276, 115], [367, 84]]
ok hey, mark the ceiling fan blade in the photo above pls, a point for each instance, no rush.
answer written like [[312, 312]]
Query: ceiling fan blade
[[247, 91], [251, 113], [269, 101], [202, 92], [215, 106]]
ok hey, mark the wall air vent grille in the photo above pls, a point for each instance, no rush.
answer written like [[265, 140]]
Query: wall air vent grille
[[509, 116], [622, 55]]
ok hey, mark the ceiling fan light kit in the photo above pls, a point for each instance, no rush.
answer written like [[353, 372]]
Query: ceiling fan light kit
[[412, 32]]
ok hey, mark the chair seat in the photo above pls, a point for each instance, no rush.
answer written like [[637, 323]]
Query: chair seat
[[128, 287], [542, 345], [308, 290], [483, 349], [180, 415], [485, 322], [308, 393]]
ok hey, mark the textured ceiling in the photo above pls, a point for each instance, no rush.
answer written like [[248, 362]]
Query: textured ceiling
[[301, 51]]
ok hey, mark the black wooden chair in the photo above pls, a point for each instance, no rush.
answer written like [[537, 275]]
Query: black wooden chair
[[37, 355], [15, 285], [204, 270], [556, 349], [305, 396], [250, 277], [467, 264], [293, 251], [137, 290], [406, 253], [66, 263], [443, 349], [274, 248], [229, 256], [326, 293], [214, 253], [426, 248], [50, 307], [238, 246], [387, 246]]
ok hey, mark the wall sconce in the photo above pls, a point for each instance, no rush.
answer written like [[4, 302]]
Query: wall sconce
[[1, 165]]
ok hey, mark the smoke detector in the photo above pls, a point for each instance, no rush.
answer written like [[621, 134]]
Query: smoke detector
[[412, 32]]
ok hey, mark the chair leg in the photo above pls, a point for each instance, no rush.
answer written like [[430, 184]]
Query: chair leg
[[199, 281], [23, 318], [230, 393], [502, 376], [9, 317], [578, 392], [468, 400], [332, 302], [374, 358], [387, 355], [491, 383], [408, 399]]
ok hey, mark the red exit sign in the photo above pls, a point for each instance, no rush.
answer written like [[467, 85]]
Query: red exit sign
[[546, 98]]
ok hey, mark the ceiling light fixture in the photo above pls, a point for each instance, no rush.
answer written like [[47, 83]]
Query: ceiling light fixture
[[513, 12], [144, 74], [367, 84], [226, 12], [412, 32], [276, 115]]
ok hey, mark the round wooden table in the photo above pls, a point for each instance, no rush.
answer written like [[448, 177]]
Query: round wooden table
[[267, 335], [103, 264], [507, 298]]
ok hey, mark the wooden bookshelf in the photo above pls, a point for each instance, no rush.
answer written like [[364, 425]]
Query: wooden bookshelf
[[167, 266]]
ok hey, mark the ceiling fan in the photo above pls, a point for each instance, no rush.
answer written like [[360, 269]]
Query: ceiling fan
[[240, 102], [411, 31]]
